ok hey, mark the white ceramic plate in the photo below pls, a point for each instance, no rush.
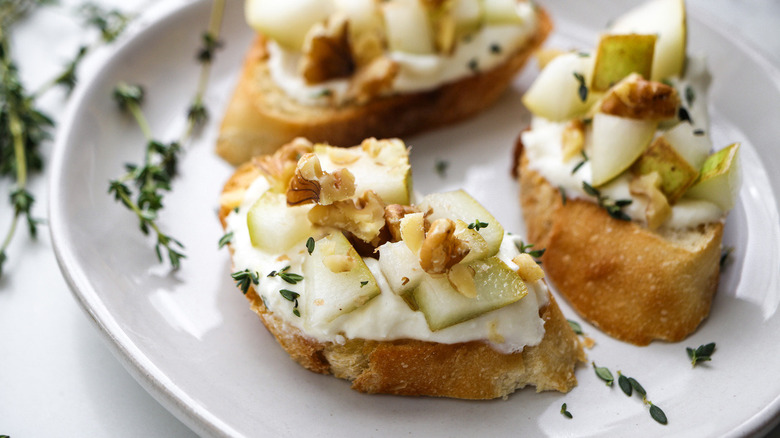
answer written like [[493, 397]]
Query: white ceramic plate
[[191, 341]]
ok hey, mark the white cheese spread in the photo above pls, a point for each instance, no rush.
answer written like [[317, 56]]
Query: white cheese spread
[[387, 316], [480, 51]]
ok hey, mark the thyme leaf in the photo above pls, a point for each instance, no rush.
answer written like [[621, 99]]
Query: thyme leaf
[[657, 414], [604, 374], [624, 384], [477, 224], [524, 249], [581, 163], [702, 353], [224, 240], [310, 245], [575, 326], [245, 278], [565, 411], [441, 168], [583, 88], [613, 208]]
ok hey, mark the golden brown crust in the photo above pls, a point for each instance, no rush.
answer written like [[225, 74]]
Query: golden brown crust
[[260, 117], [471, 370], [634, 284]]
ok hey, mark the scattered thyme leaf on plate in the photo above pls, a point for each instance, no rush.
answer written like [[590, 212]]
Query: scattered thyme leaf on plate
[[604, 374], [701, 354], [565, 411]]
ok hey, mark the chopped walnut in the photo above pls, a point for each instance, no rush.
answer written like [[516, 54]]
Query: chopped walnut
[[372, 79], [441, 250], [528, 269], [326, 51], [310, 184], [280, 167], [637, 98], [648, 186], [363, 217], [573, 139], [393, 215]]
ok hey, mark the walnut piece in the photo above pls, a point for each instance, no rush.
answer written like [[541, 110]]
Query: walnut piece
[[373, 79], [279, 168], [363, 217], [310, 184], [393, 215], [637, 98], [326, 51], [441, 250], [573, 140], [648, 186], [528, 269]]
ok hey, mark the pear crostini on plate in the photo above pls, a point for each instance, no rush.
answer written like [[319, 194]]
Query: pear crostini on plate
[[344, 70], [357, 278], [618, 180]]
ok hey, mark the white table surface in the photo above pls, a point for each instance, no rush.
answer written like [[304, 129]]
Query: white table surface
[[57, 375]]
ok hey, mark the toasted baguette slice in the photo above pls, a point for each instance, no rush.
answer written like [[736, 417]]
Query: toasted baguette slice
[[260, 118], [634, 284], [471, 370]]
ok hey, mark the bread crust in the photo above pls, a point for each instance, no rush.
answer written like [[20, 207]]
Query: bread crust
[[634, 284], [261, 117], [470, 370]]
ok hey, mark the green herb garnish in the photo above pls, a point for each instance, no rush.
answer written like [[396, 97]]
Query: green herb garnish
[[524, 249], [441, 168], [701, 354], [624, 384], [363, 283], [583, 89], [657, 414], [565, 411], [224, 240], [725, 255], [581, 163], [562, 191], [286, 276], [310, 245], [690, 95], [477, 224], [293, 297], [575, 326], [683, 115], [154, 176], [613, 207], [604, 374], [495, 48], [245, 278], [473, 65]]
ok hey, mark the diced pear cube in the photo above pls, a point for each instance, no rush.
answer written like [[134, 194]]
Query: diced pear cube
[[337, 280], [496, 285], [274, 227]]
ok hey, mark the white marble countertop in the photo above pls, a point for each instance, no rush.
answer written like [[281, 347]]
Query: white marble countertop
[[57, 376]]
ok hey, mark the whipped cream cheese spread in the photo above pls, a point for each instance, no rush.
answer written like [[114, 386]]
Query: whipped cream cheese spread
[[480, 51], [387, 316], [543, 146]]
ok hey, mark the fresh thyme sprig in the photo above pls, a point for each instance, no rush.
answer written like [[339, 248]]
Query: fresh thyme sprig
[[524, 249], [110, 22], [245, 278], [22, 130], [154, 176], [614, 208]]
